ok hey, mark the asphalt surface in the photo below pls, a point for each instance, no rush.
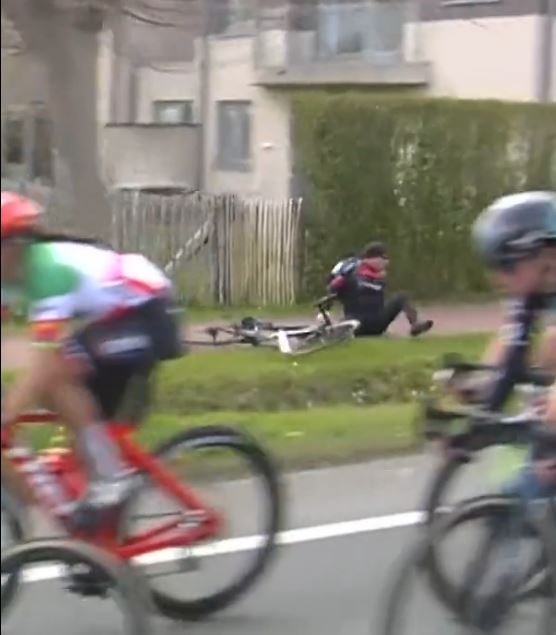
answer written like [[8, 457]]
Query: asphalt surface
[[331, 579]]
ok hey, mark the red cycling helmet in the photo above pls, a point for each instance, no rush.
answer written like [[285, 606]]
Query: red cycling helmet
[[19, 215]]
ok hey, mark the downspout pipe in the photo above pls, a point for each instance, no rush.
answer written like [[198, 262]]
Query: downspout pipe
[[547, 67]]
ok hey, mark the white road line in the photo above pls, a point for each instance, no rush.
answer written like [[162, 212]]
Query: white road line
[[248, 543]]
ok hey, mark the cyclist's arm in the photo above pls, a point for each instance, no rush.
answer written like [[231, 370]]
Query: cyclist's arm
[[494, 354], [515, 340], [337, 285], [546, 356], [50, 290], [551, 409], [46, 363]]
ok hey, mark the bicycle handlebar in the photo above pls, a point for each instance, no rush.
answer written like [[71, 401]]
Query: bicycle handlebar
[[533, 376], [326, 301], [487, 429]]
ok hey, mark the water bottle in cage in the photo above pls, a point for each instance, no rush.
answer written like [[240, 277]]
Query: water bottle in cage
[[43, 481]]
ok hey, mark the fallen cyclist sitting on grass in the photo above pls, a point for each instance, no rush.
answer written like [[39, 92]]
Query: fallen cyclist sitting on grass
[[360, 284]]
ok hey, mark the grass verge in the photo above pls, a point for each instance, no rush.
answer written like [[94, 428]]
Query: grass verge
[[298, 438], [363, 372]]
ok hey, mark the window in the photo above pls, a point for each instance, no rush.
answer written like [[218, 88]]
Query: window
[[42, 149], [341, 28], [14, 140], [231, 17], [173, 111], [240, 10], [360, 29], [234, 136]]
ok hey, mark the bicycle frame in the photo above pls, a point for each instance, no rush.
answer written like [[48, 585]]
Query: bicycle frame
[[64, 465]]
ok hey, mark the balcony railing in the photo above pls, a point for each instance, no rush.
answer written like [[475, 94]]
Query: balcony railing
[[375, 32]]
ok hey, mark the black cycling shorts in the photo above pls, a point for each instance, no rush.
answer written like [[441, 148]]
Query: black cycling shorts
[[126, 349]]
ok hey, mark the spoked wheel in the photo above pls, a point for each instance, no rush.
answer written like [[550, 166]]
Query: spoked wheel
[[479, 599], [84, 570], [323, 337], [12, 534], [460, 482], [490, 566], [409, 607], [233, 475]]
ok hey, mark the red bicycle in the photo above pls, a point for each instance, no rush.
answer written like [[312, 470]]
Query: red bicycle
[[167, 525]]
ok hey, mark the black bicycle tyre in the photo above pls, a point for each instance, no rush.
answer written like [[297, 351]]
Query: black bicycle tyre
[[548, 531], [481, 507], [434, 498], [224, 436], [135, 602], [434, 503], [397, 591], [11, 586], [215, 344]]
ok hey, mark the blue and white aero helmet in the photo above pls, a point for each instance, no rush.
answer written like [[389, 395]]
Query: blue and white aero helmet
[[515, 227]]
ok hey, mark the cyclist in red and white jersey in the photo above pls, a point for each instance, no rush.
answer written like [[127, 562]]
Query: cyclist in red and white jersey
[[126, 325]]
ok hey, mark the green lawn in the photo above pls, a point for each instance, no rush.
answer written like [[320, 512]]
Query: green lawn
[[297, 438], [335, 434], [363, 372], [338, 405]]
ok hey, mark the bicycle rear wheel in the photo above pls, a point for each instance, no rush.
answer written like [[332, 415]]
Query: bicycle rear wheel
[[116, 578], [224, 466], [12, 534]]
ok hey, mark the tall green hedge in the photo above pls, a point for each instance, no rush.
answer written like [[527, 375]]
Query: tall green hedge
[[413, 172]]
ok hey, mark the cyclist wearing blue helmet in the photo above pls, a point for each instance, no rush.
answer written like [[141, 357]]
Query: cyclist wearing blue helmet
[[516, 238]]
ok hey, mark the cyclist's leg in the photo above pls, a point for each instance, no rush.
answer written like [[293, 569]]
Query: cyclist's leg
[[551, 407], [52, 379], [128, 350], [528, 486], [397, 304], [378, 322], [15, 484], [538, 478], [70, 397]]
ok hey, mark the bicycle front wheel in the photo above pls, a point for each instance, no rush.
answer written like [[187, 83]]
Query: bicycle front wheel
[[485, 555], [234, 476], [86, 571]]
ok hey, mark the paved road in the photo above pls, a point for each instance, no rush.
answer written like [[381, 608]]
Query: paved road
[[330, 580]]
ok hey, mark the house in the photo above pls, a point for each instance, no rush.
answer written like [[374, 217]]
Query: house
[[241, 78], [203, 102]]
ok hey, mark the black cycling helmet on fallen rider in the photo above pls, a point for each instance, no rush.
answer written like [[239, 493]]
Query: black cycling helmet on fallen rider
[[515, 227]]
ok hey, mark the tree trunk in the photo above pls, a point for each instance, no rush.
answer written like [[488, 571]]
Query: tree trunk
[[70, 56]]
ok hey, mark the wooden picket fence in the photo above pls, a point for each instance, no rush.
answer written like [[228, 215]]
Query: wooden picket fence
[[221, 249], [216, 249]]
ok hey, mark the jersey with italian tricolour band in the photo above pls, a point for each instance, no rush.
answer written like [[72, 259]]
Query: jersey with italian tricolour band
[[68, 280]]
